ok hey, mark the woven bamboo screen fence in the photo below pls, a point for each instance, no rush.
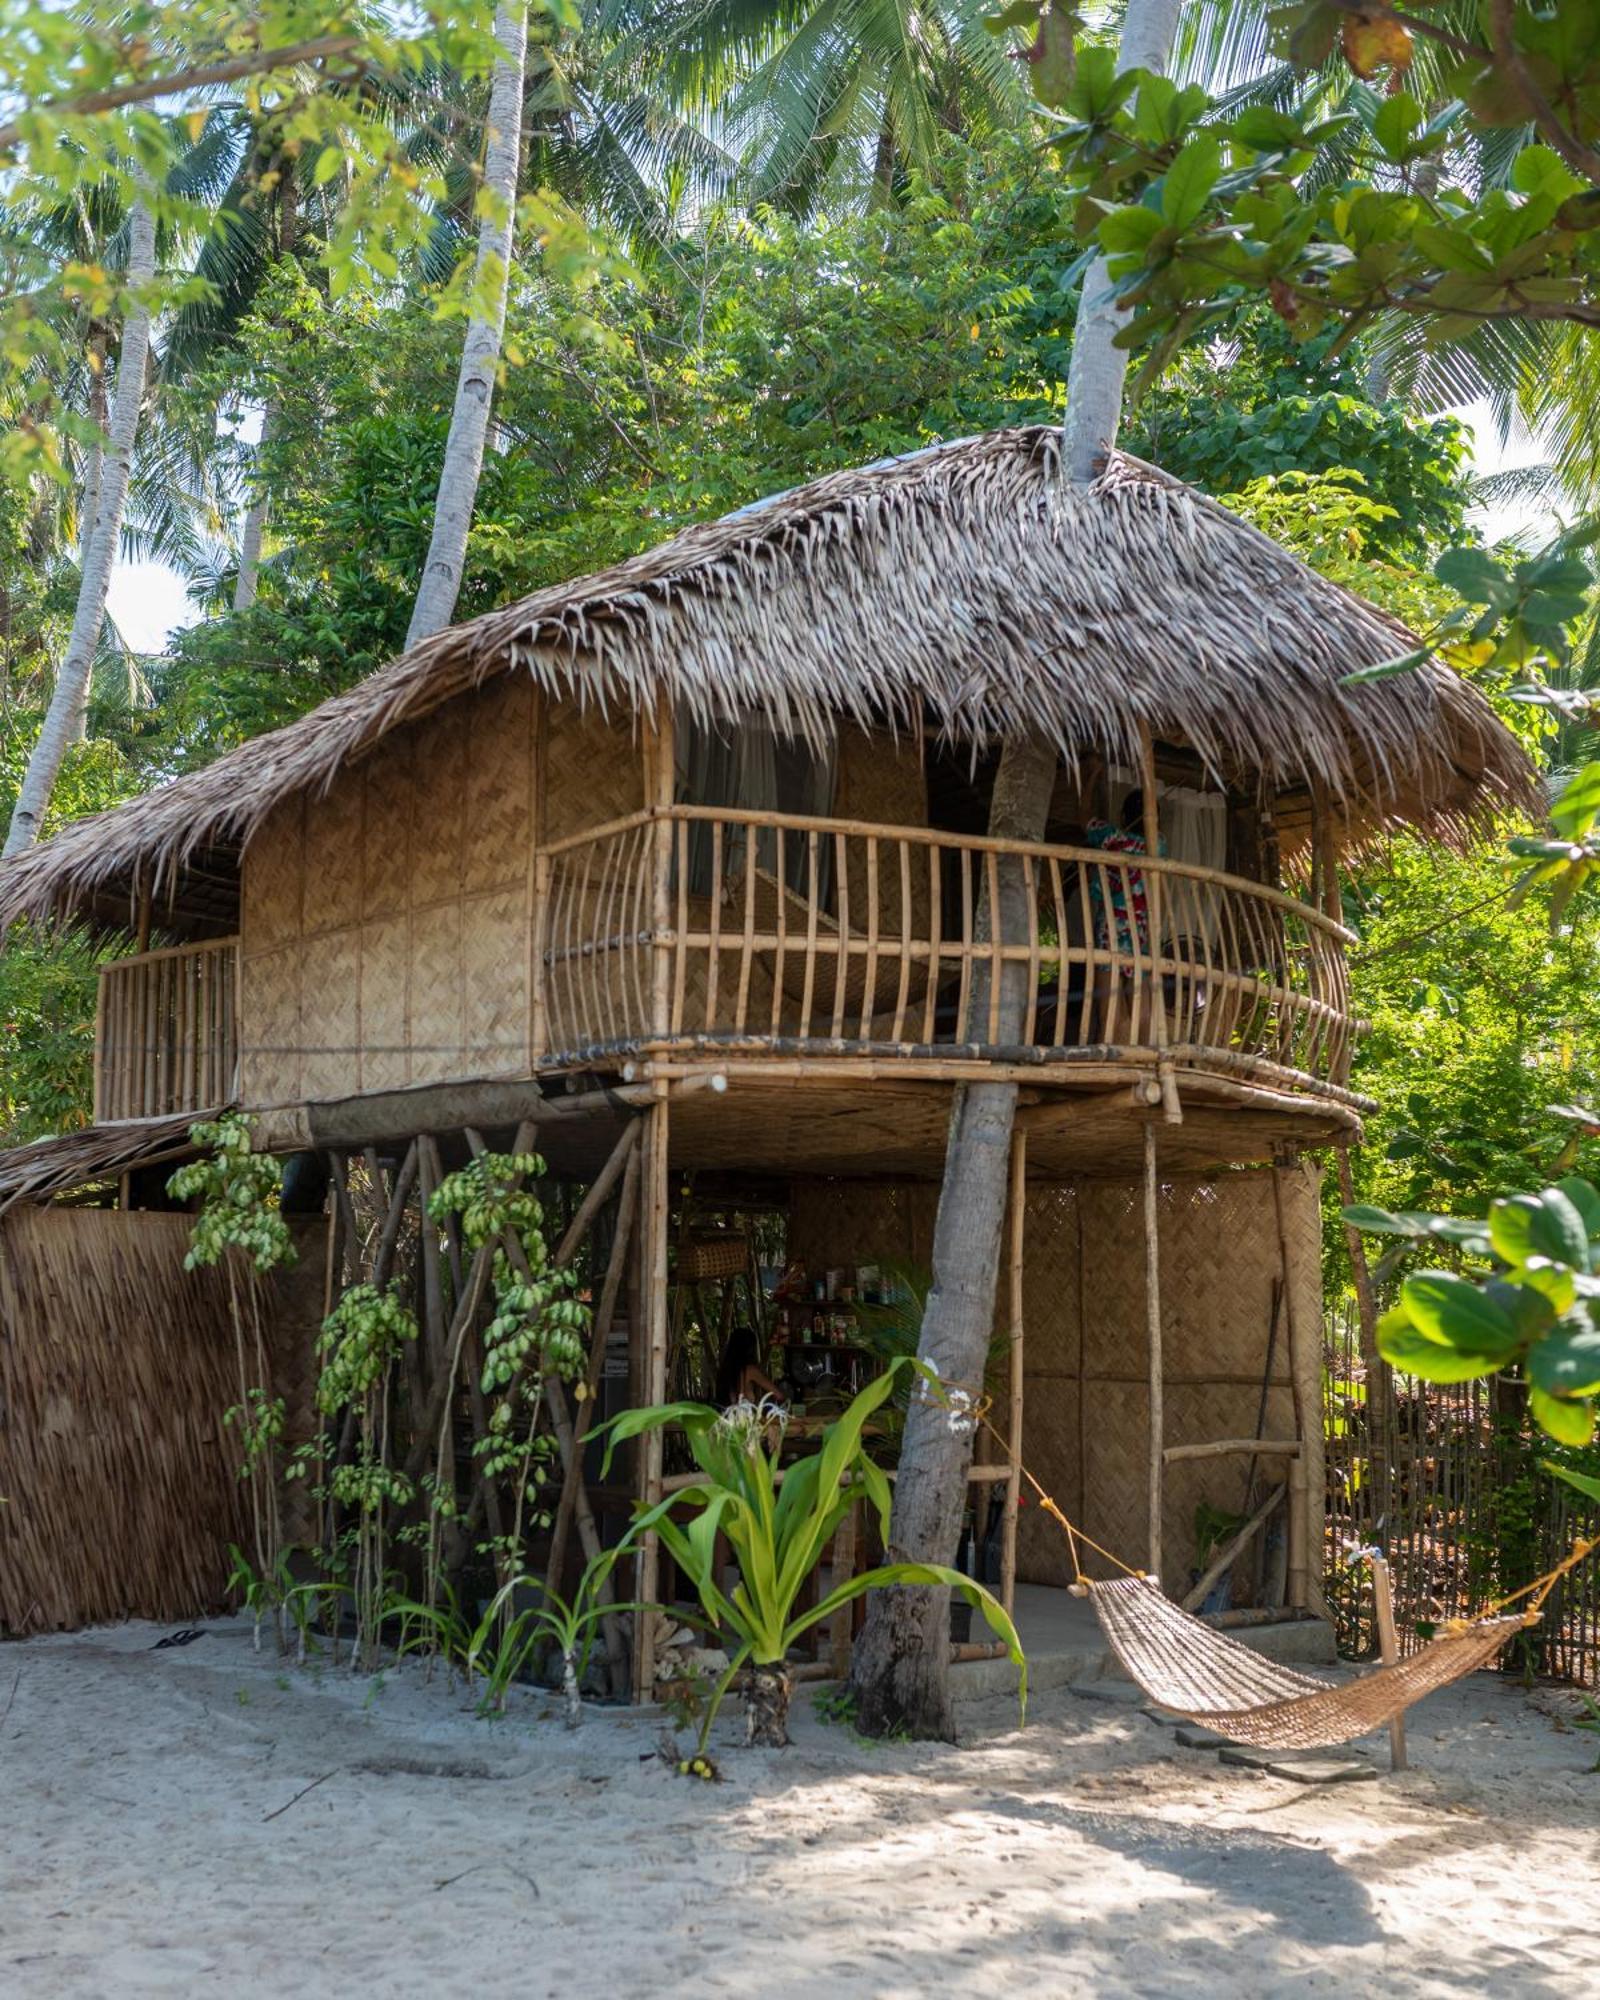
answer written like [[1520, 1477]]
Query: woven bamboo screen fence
[[116, 1366], [1446, 1478], [1085, 1420]]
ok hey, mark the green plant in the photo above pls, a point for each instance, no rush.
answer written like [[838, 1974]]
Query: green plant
[[777, 1522], [238, 1190], [1529, 1296], [508, 1635]]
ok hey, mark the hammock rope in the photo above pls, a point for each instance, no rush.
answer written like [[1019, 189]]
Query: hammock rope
[[1200, 1673]]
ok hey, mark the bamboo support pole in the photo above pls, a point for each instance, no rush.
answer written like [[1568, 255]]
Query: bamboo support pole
[[653, 1251], [1152, 1311], [1301, 1528], [616, 1267], [1014, 1275], [1231, 1551], [1388, 1651]]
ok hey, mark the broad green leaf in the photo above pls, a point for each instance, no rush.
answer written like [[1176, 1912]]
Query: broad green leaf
[[1383, 1221], [1539, 1225], [1187, 183], [1567, 1423], [1577, 804], [1412, 1353], [1579, 1481], [1455, 1313], [1583, 1195], [1567, 1361]]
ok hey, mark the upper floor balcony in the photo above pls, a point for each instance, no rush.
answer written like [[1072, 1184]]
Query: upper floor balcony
[[701, 927]]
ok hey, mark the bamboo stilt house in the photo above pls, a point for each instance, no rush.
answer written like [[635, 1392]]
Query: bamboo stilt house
[[691, 858]]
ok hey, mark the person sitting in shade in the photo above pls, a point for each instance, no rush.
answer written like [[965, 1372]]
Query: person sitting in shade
[[1126, 885]]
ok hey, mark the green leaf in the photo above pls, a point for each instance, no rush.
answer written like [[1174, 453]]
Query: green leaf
[[1383, 1221], [1584, 1195], [1578, 803], [1579, 1481], [1454, 1313], [1539, 1225], [1398, 118], [1567, 1423], [1567, 1361], [1187, 183], [1412, 1353]]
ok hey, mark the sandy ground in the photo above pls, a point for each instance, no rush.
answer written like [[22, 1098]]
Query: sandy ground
[[153, 1842]]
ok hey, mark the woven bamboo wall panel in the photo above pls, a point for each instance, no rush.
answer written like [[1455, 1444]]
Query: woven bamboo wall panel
[[269, 1026], [272, 875], [593, 770], [494, 998], [498, 821], [385, 1034], [335, 849], [446, 742], [360, 980], [388, 824], [434, 1013], [330, 1014]]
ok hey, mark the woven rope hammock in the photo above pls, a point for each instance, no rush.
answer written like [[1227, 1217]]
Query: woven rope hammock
[[1194, 1670], [1200, 1673]]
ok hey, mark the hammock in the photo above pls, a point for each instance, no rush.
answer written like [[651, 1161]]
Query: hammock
[[1201, 1674]]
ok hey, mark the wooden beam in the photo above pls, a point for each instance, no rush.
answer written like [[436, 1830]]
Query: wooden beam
[[451, 1107], [1178, 1454]]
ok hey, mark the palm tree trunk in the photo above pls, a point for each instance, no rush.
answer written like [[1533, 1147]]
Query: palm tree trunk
[[69, 700], [480, 358], [900, 1671], [255, 519], [100, 417]]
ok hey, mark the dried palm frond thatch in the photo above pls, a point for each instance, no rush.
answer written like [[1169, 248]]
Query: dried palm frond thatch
[[964, 588]]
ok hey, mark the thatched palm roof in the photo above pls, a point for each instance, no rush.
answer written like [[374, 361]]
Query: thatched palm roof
[[964, 585]]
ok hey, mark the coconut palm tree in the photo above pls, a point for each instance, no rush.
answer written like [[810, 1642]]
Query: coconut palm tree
[[837, 96], [64, 718], [900, 1670], [480, 354]]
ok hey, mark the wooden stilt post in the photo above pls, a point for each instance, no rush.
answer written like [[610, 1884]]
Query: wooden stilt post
[[1152, 1314], [599, 1332], [1019, 1197], [1388, 1650], [654, 1216]]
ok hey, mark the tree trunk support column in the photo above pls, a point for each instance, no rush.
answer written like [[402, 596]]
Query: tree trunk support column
[[1152, 1316]]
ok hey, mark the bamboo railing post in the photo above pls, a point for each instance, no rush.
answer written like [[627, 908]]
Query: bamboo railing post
[[1388, 1651], [653, 1251], [1152, 1313], [1014, 1272], [660, 781]]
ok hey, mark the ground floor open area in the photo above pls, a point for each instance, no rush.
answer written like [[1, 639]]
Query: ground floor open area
[[206, 1817]]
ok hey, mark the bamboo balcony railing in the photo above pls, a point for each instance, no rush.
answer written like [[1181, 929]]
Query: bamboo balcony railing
[[775, 932], [166, 1031]]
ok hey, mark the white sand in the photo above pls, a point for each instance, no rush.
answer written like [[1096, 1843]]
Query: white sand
[[1084, 1855]]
